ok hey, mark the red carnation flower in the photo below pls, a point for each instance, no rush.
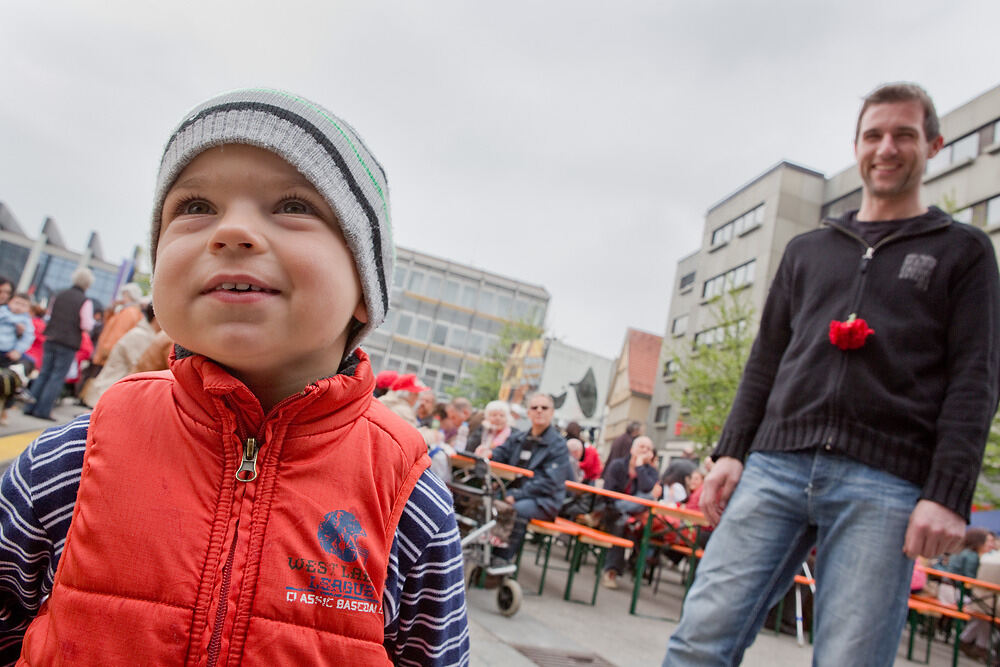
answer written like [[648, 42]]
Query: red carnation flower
[[849, 335]]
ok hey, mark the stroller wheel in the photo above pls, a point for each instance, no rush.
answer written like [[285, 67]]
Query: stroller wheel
[[473, 573], [509, 597]]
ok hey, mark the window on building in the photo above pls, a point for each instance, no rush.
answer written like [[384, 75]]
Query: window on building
[[993, 211], [432, 286], [963, 216], [422, 330], [457, 339], [670, 367], [412, 367], [686, 280], [474, 343], [451, 288], [468, 298], [447, 380], [416, 281], [743, 223], [485, 304], [503, 305], [679, 325], [733, 279], [399, 277], [394, 364], [440, 335], [957, 151], [662, 414], [403, 324], [719, 334]]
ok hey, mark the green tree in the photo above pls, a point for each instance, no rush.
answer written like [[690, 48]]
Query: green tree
[[708, 373], [483, 383], [988, 487]]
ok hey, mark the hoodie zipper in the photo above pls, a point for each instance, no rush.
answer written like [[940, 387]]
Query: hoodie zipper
[[866, 258]]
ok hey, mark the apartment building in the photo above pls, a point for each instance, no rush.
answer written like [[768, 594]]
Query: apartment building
[[444, 316], [745, 234]]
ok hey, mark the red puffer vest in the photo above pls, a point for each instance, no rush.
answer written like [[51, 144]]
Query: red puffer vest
[[208, 533]]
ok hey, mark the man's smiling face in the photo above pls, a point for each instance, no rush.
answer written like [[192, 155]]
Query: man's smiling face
[[892, 150]]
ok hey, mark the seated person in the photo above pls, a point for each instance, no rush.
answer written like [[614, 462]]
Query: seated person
[[542, 450], [678, 470], [635, 476], [495, 428]]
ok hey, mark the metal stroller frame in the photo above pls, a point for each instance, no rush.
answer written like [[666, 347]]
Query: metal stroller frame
[[476, 548]]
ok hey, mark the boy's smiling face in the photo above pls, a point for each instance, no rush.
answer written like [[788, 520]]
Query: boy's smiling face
[[253, 272]]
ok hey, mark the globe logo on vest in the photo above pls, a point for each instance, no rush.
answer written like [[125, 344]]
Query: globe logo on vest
[[339, 533]]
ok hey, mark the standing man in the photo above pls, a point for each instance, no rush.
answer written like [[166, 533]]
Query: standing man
[[621, 447], [542, 450], [71, 314], [862, 413]]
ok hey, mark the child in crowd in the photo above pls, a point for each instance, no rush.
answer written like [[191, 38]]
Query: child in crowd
[[17, 333], [254, 505]]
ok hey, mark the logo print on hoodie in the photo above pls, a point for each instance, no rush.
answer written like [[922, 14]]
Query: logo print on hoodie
[[918, 268], [339, 533]]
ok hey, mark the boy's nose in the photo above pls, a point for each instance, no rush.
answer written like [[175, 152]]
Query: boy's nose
[[238, 230]]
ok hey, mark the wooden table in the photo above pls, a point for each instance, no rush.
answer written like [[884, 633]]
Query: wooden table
[[965, 584], [690, 517], [501, 470]]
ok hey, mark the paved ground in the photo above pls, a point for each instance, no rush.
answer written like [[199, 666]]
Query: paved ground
[[606, 632]]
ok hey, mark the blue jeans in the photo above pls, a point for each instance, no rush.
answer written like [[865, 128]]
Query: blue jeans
[[56, 362], [527, 509], [621, 510], [784, 504]]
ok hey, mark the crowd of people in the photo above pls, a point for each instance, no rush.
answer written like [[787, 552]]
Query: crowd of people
[[73, 347]]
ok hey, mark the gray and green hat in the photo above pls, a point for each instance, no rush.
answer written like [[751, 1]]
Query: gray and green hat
[[325, 149]]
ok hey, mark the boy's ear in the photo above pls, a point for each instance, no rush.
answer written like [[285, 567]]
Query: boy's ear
[[361, 312]]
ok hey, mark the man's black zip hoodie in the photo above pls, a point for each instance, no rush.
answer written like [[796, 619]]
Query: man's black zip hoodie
[[917, 399]]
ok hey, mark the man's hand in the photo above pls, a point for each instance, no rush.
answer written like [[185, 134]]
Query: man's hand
[[510, 500], [719, 486], [14, 355], [484, 451], [933, 530]]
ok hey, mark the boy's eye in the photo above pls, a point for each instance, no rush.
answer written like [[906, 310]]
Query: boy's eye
[[294, 207], [196, 207]]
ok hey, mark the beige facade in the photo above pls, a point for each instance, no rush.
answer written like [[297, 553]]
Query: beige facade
[[632, 383], [964, 179]]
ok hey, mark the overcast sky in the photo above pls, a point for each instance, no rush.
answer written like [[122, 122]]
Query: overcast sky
[[572, 144]]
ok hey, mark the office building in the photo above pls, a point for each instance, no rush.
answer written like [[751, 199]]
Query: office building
[[444, 316]]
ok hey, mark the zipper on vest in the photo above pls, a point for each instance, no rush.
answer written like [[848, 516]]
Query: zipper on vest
[[215, 643], [248, 466]]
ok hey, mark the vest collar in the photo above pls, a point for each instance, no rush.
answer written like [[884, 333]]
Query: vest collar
[[204, 388]]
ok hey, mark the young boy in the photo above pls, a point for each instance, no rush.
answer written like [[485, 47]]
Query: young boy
[[254, 505]]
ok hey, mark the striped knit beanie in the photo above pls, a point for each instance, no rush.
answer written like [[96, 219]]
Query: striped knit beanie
[[325, 149]]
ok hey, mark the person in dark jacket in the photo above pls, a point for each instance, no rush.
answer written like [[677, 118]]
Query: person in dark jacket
[[622, 445], [860, 421], [72, 313], [542, 450], [636, 476]]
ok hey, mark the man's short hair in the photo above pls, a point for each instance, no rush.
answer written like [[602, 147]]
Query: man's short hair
[[903, 92], [552, 400], [633, 427], [461, 403], [82, 278]]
